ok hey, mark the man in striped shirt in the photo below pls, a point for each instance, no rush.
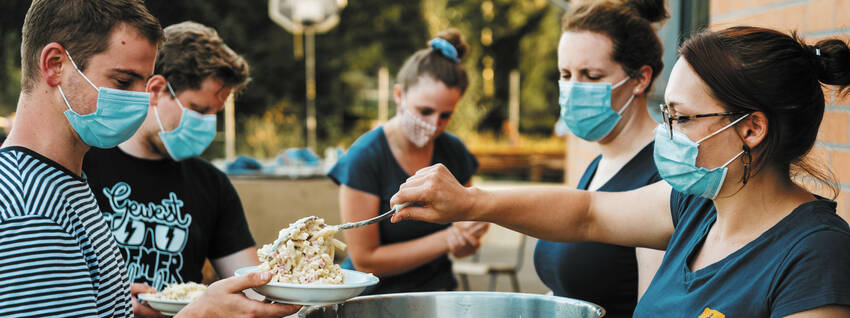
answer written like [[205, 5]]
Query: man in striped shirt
[[84, 66]]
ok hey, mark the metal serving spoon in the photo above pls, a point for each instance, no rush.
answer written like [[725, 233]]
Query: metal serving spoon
[[344, 226]]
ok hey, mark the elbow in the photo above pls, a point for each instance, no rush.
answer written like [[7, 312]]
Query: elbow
[[367, 265], [586, 223]]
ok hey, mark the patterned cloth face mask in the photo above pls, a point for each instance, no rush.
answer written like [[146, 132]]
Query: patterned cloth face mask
[[194, 134], [586, 108], [676, 160], [418, 131], [118, 115]]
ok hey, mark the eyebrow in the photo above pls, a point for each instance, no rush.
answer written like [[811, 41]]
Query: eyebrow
[[220, 89], [585, 69], [197, 106], [674, 106], [129, 72]]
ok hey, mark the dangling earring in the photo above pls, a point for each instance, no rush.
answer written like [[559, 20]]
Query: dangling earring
[[748, 159]]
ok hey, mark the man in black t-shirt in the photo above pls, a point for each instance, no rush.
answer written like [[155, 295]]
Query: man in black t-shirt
[[169, 210]]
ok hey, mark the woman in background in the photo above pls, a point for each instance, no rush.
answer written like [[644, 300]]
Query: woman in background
[[608, 58], [410, 256]]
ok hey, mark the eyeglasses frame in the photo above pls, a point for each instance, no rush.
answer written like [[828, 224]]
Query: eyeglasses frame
[[668, 119]]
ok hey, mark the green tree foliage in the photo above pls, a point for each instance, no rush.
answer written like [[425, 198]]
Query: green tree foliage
[[371, 34], [524, 37], [12, 14]]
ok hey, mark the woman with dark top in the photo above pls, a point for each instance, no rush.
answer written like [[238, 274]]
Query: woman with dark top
[[409, 256], [608, 57], [743, 107]]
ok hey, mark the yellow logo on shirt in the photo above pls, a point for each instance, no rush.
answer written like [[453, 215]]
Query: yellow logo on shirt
[[711, 313]]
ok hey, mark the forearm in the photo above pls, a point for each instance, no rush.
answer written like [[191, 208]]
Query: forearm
[[227, 265], [393, 259], [555, 213], [633, 218]]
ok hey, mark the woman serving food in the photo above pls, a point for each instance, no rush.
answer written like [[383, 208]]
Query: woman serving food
[[743, 106]]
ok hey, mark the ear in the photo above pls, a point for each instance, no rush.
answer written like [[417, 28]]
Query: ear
[[52, 63], [156, 86], [644, 78], [753, 129], [398, 91]]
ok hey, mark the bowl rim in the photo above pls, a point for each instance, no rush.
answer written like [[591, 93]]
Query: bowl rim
[[369, 280], [599, 309], [459, 293], [152, 299]]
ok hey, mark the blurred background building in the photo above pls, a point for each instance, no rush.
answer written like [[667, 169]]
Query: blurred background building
[[813, 20]]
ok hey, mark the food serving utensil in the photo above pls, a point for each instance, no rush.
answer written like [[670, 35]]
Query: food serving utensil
[[345, 226]]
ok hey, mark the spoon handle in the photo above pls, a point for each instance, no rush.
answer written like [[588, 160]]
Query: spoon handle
[[351, 225]]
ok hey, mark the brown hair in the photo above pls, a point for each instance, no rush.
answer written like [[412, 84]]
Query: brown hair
[[193, 52], [433, 63], [83, 27], [628, 23], [755, 69]]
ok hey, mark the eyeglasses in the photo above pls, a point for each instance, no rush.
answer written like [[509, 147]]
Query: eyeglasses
[[668, 118]]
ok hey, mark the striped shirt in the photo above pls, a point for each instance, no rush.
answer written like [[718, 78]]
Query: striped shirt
[[57, 255]]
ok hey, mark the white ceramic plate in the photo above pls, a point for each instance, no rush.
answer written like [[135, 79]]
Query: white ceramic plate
[[354, 284], [164, 306]]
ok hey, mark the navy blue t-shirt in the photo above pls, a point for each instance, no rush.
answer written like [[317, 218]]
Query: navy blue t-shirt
[[604, 274], [369, 166], [801, 263]]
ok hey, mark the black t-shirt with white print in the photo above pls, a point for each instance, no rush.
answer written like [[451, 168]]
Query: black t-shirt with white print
[[166, 216]]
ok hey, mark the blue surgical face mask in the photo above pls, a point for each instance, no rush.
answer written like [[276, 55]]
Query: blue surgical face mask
[[119, 113], [194, 134], [586, 108], [676, 160]]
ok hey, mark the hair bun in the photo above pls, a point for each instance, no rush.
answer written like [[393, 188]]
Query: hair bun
[[833, 62], [651, 10], [454, 37]]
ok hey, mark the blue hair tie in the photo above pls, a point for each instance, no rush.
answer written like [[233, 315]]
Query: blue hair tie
[[447, 49]]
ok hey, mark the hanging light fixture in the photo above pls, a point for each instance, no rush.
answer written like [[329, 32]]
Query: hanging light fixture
[[307, 17]]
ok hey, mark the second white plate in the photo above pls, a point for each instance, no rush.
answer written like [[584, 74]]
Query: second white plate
[[354, 284], [164, 306]]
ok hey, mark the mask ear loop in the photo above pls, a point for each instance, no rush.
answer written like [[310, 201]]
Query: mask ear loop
[[81, 72], [748, 160], [722, 129], [62, 93], [158, 121], [171, 90], [629, 102], [156, 112], [616, 86]]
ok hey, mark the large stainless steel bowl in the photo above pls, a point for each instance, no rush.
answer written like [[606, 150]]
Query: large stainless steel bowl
[[457, 304]]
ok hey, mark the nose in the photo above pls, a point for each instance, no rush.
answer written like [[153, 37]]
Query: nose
[[433, 119]]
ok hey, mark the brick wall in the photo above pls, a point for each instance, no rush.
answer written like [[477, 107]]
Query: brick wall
[[812, 19]]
